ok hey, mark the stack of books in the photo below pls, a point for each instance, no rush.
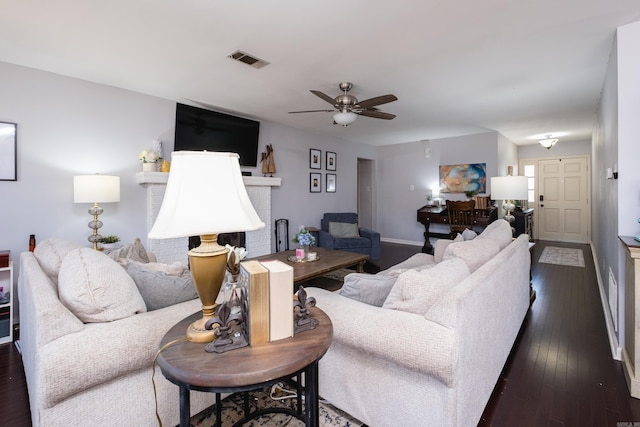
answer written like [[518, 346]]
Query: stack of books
[[269, 300]]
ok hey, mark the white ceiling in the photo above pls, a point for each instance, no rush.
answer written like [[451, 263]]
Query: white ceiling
[[524, 68]]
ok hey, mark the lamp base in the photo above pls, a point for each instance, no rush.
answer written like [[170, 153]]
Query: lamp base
[[208, 263]]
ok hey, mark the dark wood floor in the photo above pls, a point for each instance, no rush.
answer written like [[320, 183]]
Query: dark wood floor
[[560, 373]]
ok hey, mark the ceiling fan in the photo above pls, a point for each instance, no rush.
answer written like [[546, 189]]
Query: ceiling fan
[[348, 108]]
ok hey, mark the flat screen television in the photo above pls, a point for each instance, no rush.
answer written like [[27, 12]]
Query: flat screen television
[[199, 129]]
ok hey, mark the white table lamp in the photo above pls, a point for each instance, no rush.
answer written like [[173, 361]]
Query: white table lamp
[[96, 189], [205, 196], [509, 188]]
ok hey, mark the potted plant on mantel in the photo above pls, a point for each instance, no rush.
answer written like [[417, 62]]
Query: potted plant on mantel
[[149, 159]]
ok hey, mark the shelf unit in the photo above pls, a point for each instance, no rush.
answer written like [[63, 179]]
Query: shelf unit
[[6, 309]]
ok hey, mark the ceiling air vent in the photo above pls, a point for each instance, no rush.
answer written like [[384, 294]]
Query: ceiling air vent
[[251, 60]]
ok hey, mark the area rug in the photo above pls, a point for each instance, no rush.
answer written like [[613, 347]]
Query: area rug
[[562, 256], [232, 411]]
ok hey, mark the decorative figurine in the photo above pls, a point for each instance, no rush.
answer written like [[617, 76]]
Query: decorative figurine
[[303, 320], [229, 333]]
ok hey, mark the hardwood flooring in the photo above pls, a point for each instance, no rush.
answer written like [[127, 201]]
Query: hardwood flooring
[[560, 372]]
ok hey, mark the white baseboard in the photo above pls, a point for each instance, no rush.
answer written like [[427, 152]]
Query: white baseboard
[[402, 242], [616, 351]]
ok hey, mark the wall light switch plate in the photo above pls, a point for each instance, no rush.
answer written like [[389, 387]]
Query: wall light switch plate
[[609, 173]]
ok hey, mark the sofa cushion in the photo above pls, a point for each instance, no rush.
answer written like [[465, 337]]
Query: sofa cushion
[[500, 231], [441, 245], [417, 291], [96, 289], [50, 254], [342, 230], [469, 234], [474, 252], [416, 261], [158, 287], [371, 289]]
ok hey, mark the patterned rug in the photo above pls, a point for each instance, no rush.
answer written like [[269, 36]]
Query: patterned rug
[[562, 256], [232, 411], [338, 274]]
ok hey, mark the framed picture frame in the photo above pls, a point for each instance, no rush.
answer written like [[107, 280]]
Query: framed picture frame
[[8, 151], [331, 161], [315, 159], [331, 183], [315, 182]]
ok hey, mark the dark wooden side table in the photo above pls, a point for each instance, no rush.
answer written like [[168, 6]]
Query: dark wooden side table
[[250, 368]]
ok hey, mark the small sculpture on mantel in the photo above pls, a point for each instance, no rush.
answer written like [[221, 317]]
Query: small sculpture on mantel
[[268, 162], [303, 320]]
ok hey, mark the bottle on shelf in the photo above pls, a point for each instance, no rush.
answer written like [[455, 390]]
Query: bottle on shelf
[[32, 242]]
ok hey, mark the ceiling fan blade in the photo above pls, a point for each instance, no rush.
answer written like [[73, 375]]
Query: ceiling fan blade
[[378, 100], [312, 111], [377, 114], [321, 95]]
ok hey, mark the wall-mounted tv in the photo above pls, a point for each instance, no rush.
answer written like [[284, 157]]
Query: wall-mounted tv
[[200, 129]]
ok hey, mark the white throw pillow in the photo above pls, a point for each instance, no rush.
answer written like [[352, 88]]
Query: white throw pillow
[[96, 289], [50, 254], [418, 260], [500, 231], [417, 291], [343, 229], [474, 252], [371, 289], [442, 244]]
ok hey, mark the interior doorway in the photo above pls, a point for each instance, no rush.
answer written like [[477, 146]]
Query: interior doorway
[[366, 193]]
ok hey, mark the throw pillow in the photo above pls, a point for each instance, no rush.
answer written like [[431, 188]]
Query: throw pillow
[[134, 251], [417, 291], [50, 253], [370, 289], [500, 231], [343, 229], [469, 234], [474, 252], [414, 261], [96, 289], [159, 289], [442, 244]]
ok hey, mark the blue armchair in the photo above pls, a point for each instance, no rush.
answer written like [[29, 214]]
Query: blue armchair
[[359, 240]]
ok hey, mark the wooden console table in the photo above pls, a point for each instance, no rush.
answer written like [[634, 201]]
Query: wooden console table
[[428, 215]]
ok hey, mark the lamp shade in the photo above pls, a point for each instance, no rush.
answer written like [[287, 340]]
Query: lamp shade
[[205, 195], [345, 119], [96, 188], [509, 188]]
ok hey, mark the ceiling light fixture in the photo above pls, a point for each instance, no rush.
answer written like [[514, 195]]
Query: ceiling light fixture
[[548, 142], [345, 118]]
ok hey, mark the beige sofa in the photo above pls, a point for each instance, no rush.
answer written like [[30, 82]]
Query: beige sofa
[[435, 366], [94, 373]]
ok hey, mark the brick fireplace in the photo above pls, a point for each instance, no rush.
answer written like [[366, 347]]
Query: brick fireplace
[[258, 242]]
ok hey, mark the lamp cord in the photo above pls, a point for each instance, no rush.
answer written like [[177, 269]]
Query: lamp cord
[[153, 371]]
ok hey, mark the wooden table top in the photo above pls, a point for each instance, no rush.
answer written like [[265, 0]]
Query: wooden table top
[[188, 363], [328, 260]]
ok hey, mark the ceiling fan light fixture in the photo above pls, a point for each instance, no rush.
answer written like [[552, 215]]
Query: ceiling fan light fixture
[[548, 142], [345, 118]]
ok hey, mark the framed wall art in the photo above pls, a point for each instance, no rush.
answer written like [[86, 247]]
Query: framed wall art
[[331, 161], [315, 182], [470, 177], [8, 151], [315, 159], [331, 183]]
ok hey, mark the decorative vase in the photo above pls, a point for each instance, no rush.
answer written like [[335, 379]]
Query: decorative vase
[[149, 167], [301, 252]]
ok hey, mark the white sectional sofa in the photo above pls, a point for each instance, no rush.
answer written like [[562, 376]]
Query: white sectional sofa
[[433, 353], [91, 372]]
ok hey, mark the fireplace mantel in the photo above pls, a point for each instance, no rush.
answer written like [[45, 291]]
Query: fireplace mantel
[[258, 242], [249, 181]]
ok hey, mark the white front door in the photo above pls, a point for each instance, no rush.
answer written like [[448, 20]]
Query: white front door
[[563, 199]]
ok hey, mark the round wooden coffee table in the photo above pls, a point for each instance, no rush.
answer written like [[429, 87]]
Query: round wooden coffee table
[[249, 368]]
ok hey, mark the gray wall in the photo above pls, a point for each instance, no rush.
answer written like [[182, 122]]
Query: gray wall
[[402, 166], [68, 126]]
